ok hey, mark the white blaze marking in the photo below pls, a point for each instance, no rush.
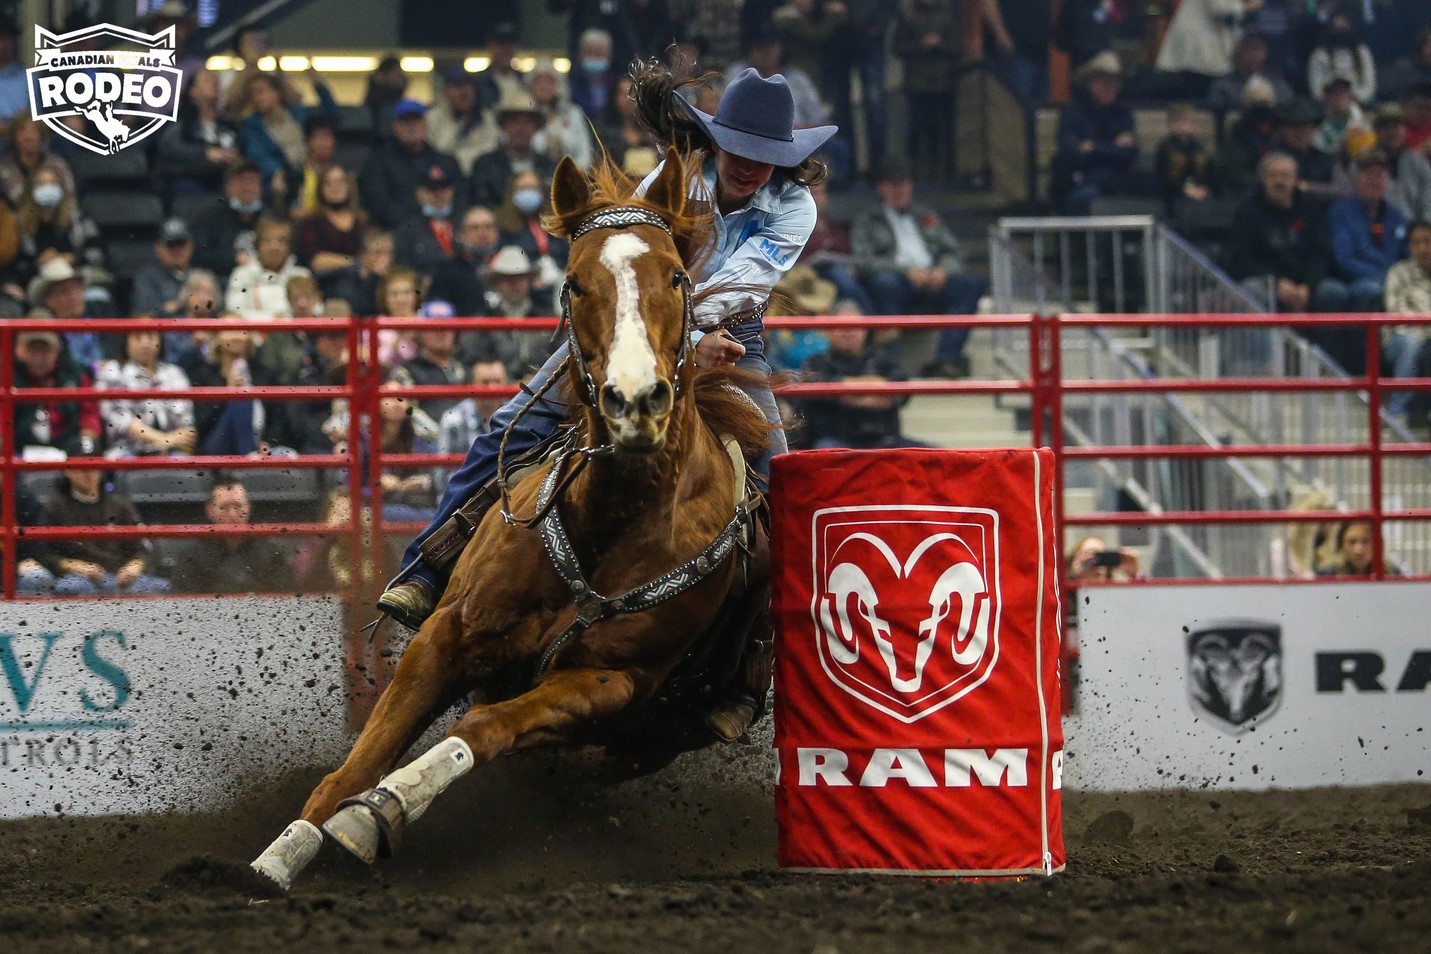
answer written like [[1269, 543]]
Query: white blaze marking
[[631, 366]]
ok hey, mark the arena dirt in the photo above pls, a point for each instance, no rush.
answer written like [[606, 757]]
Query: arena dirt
[[530, 857]]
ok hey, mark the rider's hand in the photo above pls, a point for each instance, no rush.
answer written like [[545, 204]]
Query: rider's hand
[[718, 349]]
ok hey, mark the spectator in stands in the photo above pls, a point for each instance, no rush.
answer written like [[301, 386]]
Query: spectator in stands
[[233, 427], [1297, 123], [715, 24], [1091, 559], [153, 425], [912, 264], [638, 28], [230, 564], [41, 361], [259, 288], [425, 241], [195, 153], [801, 292], [1181, 163], [224, 232], [387, 87], [31, 577], [1406, 74], [94, 565], [1198, 47], [459, 280], [1084, 29], [200, 298], [1096, 145], [170, 13], [1341, 52], [865, 421], [358, 283], [1248, 60], [622, 131], [929, 41], [1368, 236], [467, 420], [272, 126], [1353, 555], [1280, 237], [330, 238], [459, 125], [501, 79], [299, 424], [14, 91], [806, 28], [565, 130], [329, 564], [1342, 115], [1408, 292], [522, 352], [858, 46], [1416, 111], [520, 219], [435, 363], [390, 177], [58, 291], [158, 287], [26, 153], [320, 144], [408, 492], [766, 53], [519, 119], [52, 225], [1252, 136], [828, 251], [399, 296], [593, 81], [279, 356], [1410, 189], [12, 293], [251, 43]]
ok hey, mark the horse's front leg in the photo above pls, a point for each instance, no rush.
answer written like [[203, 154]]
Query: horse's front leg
[[427, 681], [546, 714]]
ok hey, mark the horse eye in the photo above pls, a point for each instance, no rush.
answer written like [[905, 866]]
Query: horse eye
[[676, 280], [574, 287]]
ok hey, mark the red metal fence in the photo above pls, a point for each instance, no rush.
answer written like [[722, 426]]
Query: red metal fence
[[1043, 383]]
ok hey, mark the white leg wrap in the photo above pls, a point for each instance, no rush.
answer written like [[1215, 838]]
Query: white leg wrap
[[423, 779], [289, 854]]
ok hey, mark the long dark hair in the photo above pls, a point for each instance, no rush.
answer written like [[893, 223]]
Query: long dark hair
[[662, 111]]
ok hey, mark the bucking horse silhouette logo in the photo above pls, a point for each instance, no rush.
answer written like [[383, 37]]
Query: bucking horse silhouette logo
[[906, 606]]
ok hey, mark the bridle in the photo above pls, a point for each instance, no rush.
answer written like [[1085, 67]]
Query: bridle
[[616, 217]]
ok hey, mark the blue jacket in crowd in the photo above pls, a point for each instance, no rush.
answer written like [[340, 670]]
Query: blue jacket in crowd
[[1363, 248]]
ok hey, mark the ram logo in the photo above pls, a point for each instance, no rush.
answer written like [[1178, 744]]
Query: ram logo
[[906, 606], [1235, 672]]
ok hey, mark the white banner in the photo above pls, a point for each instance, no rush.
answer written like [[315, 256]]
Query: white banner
[[1252, 687], [135, 706]]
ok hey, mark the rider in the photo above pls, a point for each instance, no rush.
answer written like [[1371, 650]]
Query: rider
[[759, 169]]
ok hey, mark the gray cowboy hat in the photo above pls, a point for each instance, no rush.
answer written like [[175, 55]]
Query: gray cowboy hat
[[756, 121]]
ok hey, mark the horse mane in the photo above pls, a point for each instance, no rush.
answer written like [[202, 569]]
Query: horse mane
[[727, 410]]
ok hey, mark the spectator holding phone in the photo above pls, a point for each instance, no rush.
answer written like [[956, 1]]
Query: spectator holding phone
[[1091, 559]]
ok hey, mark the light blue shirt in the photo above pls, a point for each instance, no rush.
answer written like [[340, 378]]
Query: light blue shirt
[[754, 246], [14, 92]]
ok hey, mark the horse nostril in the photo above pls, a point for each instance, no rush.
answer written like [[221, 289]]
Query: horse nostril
[[613, 404], [658, 398]]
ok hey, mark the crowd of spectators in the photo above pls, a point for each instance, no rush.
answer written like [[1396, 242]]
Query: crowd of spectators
[[1316, 159]]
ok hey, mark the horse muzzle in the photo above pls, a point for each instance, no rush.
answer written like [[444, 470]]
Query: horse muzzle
[[637, 423]]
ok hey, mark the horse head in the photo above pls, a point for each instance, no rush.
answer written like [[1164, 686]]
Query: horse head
[[627, 299]]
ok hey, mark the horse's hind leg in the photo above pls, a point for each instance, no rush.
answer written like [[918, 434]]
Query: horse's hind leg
[[425, 683], [564, 700]]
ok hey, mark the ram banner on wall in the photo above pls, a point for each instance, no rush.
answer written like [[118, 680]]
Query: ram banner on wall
[[136, 706], [1252, 687]]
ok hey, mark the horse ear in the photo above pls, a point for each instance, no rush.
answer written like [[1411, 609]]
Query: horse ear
[[571, 192], [669, 189]]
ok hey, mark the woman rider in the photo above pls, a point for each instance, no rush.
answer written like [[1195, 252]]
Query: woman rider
[[759, 168]]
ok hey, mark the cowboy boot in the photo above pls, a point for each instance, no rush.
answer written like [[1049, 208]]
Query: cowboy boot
[[732, 716], [410, 603]]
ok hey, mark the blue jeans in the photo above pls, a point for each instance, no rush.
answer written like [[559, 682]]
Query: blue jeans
[[846, 284], [232, 432], [36, 581], [960, 294], [1401, 351], [539, 423], [70, 585], [1346, 346]]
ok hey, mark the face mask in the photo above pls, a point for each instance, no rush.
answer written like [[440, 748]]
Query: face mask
[[593, 65], [436, 211], [527, 200], [47, 196], [340, 204], [246, 208]]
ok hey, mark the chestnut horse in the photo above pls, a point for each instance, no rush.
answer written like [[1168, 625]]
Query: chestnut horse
[[645, 492]]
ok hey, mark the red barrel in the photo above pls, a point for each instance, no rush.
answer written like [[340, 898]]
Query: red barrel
[[916, 595]]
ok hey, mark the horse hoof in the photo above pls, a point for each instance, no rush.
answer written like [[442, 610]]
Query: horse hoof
[[356, 829], [289, 854]]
